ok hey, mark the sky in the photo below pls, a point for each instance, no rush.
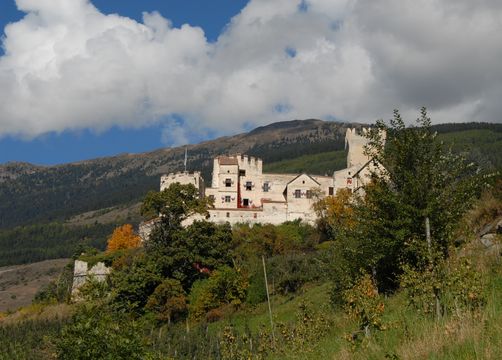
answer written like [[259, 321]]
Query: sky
[[87, 78]]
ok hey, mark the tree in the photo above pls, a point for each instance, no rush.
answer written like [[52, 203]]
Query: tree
[[335, 213], [192, 252], [168, 300], [132, 285], [417, 185], [123, 237], [174, 204]]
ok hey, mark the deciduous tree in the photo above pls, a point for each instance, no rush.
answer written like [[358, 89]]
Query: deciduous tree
[[123, 237]]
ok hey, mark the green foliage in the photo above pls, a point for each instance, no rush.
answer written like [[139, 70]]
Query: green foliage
[[256, 290], [93, 289], [416, 179], [132, 285], [289, 272], [57, 291], [174, 204], [455, 286], [186, 252], [27, 244], [95, 333], [225, 286], [168, 301], [269, 240]]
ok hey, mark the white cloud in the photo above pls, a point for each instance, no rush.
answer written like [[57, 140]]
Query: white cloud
[[68, 66]]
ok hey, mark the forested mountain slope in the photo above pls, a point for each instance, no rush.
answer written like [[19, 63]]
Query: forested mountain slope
[[31, 194], [46, 212]]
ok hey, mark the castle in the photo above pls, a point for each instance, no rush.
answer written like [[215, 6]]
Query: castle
[[242, 192]]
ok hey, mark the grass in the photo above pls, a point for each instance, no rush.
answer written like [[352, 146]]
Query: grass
[[321, 164], [408, 334]]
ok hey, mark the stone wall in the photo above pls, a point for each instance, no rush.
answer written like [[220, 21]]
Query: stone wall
[[81, 274]]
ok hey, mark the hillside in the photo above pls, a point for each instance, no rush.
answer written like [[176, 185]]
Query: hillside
[[46, 212], [31, 194], [19, 284]]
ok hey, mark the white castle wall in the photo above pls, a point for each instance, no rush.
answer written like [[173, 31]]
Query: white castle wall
[[270, 198], [183, 178]]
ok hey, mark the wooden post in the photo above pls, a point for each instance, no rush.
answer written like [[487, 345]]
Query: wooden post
[[429, 248], [268, 299], [428, 236]]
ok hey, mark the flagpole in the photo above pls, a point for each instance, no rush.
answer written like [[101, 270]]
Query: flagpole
[[186, 155]]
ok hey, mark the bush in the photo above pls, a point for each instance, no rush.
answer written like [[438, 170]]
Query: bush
[[449, 287], [290, 272], [225, 286], [95, 333], [57, 291], [256, 291], [364, 305]]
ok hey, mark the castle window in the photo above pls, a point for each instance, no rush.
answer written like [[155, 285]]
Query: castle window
[[266, 187], [228, 182], [249, 185], [228, 214], [242, 172], [245, 202], [227, 199], [330, 190], [298, 194], [309, 194]]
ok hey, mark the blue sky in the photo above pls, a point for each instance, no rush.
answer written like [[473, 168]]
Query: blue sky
[[87, 78], [55, 148]]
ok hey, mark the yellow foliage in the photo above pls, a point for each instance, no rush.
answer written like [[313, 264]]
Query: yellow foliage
[[337, 211], [123, 237]]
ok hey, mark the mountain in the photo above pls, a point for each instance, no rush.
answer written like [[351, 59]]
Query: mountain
[[31, 194], [50, 211]]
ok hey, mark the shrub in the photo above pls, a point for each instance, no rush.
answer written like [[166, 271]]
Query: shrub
[[364, 305], [168, 300], [451, 286], [225, 286], [95, 333]]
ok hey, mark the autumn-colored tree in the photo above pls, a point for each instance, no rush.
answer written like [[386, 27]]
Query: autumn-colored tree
[[123, 237], [336, 213]]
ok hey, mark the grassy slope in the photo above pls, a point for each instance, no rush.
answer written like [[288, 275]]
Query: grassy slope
[[483, 146], [20, 283], [320, 164], [409, 335]]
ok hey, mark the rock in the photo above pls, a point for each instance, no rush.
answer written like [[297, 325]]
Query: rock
[[498, 228], [488, 240], [495, 250], [486, 229]]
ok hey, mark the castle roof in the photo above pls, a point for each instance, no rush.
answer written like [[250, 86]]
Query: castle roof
[[227, 160]]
